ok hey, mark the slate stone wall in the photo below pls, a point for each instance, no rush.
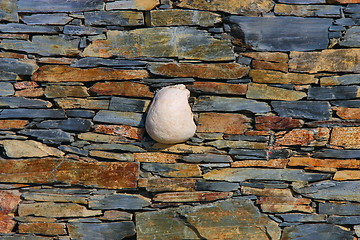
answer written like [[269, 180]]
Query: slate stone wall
[[274, 90]]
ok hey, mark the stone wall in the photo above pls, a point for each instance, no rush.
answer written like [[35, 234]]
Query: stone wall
[[274, 90]]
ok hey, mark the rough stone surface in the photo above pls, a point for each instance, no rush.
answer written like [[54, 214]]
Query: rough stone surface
[[29, 148], [318, 231], [307, 10], [130, 89], [126, 118], [277, 123], [305, 137], [119, 201], [262, 91], [121, 18], [132, 4], [59, 6], [347, 137], [223, 122], [265, 76], [218, 88], [318, 110]]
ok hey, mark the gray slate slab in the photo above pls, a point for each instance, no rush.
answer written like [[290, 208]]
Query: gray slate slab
[[117, 18], [8, 11], [216, 186], [23, 28], [71, 124], [126, 118], [14, 66], [351, 38], [343, 209], [99, 62], [80, 113], [53, 135], [59, 5], [300, 217], [6, 89], [337, 153], [82, 30], [21, 102], [32, 113], [347, 79], [118, 201], [316, 231], [349, 104], [207, 158], [128, 104], [302, 1], [313, 110], [5, 76], [47, 19], [341, 220], [333, 93]]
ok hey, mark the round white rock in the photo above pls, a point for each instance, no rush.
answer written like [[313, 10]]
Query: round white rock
[[169, 119]]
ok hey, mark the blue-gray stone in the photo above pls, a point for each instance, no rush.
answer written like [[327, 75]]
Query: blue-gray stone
[[6, 76], [55, 135], [101, 231], [248, 154], [332, 190], [21, 102], [335, 35], [265, 184], [216, 186], [302, 1], [226, 104], [344, 209], [23, 28], [292, 33], [337, 28], [6, 89], [313, 110], [59, 5], [332, 93], [117, 18], [349, 104], [207, 158], [347, 79], [126, 118], [345, 22], [21, 237], [80, 113], [300, 217], [128, 104], [316, 231], [99, 62], [32, 113], [163, 82], [348, 220], [338, 153], [8, 11], [118, 201], [74, 150], [15, 66], [47, 19], [114, 146], [82, 30], [71, 124], [351, 38], [246, 138]]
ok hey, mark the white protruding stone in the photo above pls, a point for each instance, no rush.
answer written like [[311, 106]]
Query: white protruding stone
[[169, 118]]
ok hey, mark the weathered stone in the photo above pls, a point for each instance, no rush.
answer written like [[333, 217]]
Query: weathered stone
[[9, 201], [126, 157], [277, 123], [223, 122], [299, 217], [179, 170], [14, 36], [130, 89], [348, 209], [183, 148], [272, 163], [348, 113], [7, 224], [82, 30], [305, 137], [168, 184], [310, 34], [225, 104], [348, 103], [20, 67], [20, 102], [30, 92], [242, 174], [175, 17], [46, 19], [351, 37], [113, 146], [114, 215], [6, 89], [122, 130], [164, 82], [323, 164], [278, 57], [302, 1], [80, 113], [44, 45], [162, 42], [340, 220], [128, 104], [133, 4], [245, 154], [314, 110], [216, 186], [357, 230], [25, 85], [54, 60], [263, 91], [126, 118], [47, 229], [5, 76], [59, 6], [104, 62], [285, 204], [118, 201], [119, 18], [96, 137], [29, 148], [265, 76], [53, 135], [55, 91], [13, 124], [191, 196], [337, 153], [342, 60], [8, 11], [221, 144], [333, 93], [87, 103], [316, 231], [248, 7], [207, 158], [71, 124], [62, 73], [266, 192], [202, 70], [101, 231], [218, 88], [156, 157], [23, 28], [347, 137], [32, 113], [52, 197], [347, 79], [332, 11], [347, 175], [262, 65]]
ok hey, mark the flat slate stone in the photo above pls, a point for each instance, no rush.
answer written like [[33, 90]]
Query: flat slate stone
[[338, 153], [70, 124], [348, 104], [23, 28], [118, 201], [351, 38], [22, 237], [20, 102], [308, 10], [348, 220], [55, 135], [114, 146], [249, 154], [103, 62], [82, 30], [74, 150], [225, 104], [332, 190], [293, 33], [207, 158], [126, 118], [132, 4], [15, 66], [59, 5], [316, 231], [8, 11], [343, 209], [47, 19], [5, 76], [314, 110], [6, 89], [348, 79], [80, 113], [299, 217], [333, 93], [216, 186], [32, 113], [302, 1], [117, 18], [128, 104]]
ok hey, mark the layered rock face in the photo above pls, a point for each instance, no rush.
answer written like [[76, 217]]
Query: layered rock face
[[179, 119]]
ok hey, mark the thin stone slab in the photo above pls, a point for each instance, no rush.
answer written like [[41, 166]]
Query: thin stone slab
[[6, 89], [338, 153], [347, 104], [47, 19], [132, 4], [207, 158], [28, 148], [61, 91], [34, 6], [114, 146], [118, 201], [128, 104], [341, 220], [117, 18], [71, 124], [23, 28], [314, 110], [32, 113], [20, 102], [293, 33], [316, 231], [300, 217], [82, 30], [216, 186], [126, 118], [343, 209], [302, 1], [6, 76], [332, 190], [351, 38], [52, 135], [8, 11], [333, 93], [17, 66], [80, 113], [308, 10], [103, 62], [348, 79]]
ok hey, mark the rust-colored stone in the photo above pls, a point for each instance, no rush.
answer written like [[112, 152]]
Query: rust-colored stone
[[129, 89], [223, 123], [305, 137], [59, 61], [123, 130], [268, 56], [347, 137], [31, 92], [168, 184], [347, 175], [326, 164], [11, 54], [112, 175], [270, 65], [69, 103], [61, 91], [348, 113], [62, 73], [274, 192], [48, 229], [277, 123], [9, 199], [264, 91], [203, 70], [218, 88], [266, 76], [191, 196], [272, 163], [344, 1], [13, 124], [7, 223], [25, 85], [285, 204], [156, 157]]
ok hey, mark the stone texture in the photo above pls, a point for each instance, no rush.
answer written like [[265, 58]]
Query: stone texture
[[126, 118], [203, 70], [29, 148], [176, 17], [46, 19], [112, 175], [277, 57], [307, 10], [128, 104], [8, 11], [272, 163], [248, 7], [105, 62], [347, 79], [347, 175], [96, 137], [20, 67], [7, 224], [207, 158], [168, 184], [277, 123], [218, 88], [47, 229], [313, 110], [333, 93], [348, 209], [221, 144], [347, 137], [9, 201], [156, 157], [351, 38], [316, 231], [262, 65], [216, 186], [263, 91], [342, 60], [191, 196], [323, 164], [183, 148], [50, 136], [126, 157], [55, 197], [13, 124], [60, 91], [133, 4], [85, 103], [161, 42], [176, 170], [114, 215], [23, 28], [122, 130], [266, 76], [20, 102], [305, 137], [70, 124], [348, 113], [32, 113], [300, 217], [61, 73], [119, 18], [285, 204], [295, 34], [223, 122], [59, 6], [130, 89], [6, 89], [302, 1], [118, 201], [337, 153], [82, 30]]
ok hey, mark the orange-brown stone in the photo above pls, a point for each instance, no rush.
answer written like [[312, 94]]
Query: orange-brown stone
[[223, 123], [9, 201], [218, 88], [272, 163], [347, 175], [277, 123], [60, 61], [267, 76], [7, 223], [270, 65], [31, 92], [305, 137], [156, 157], [204, 70], [63, 73], [347, 137], [13, 124], [285, 204], [168, 184], [274, 192], [129, 89], [123, 130], [268, 56], [344, 1], [48, 229], [325, 164], [348, 113], [191, 196], [25, 85]]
